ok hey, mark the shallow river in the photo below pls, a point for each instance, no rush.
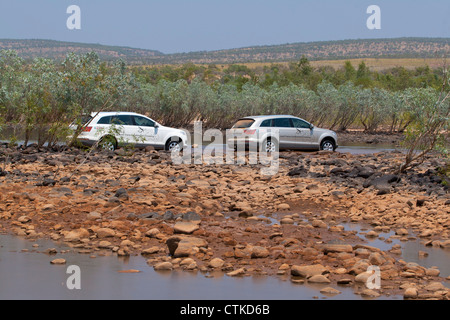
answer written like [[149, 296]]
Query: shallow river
[[26, 273], [29, 275]]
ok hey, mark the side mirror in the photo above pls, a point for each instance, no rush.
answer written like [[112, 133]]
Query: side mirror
[[311, 126], [156, 125]]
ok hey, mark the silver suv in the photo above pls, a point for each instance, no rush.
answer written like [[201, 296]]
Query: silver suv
[[282, 132]]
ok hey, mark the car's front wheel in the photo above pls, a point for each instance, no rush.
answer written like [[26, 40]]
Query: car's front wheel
[[173, 145], [327, 145]]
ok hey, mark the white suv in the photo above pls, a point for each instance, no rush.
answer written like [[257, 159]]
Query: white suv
[[113, 129]]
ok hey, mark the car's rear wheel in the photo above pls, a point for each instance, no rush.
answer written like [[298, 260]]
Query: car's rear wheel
[[108, 143], [327, 145], [269, 145]]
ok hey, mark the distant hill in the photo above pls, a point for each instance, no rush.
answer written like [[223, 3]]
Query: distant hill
[[32, 48], [322, 50]]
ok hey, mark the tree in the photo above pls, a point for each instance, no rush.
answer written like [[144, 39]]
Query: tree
[[428, 129], [349, 71]]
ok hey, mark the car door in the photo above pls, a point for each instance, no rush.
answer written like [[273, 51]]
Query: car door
[[122, 127], [287, 133], [145, 130], [303, 133]]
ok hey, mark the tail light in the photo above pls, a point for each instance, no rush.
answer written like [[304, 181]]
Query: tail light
[[87, 129], [249, 131]]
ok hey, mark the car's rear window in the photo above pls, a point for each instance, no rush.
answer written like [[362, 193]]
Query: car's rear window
[[243, 123], [266, 123], [82, 120]]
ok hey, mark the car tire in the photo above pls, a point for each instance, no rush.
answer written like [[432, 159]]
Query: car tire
[[108, 143], [173, 143], [327, 145], [269, 145]]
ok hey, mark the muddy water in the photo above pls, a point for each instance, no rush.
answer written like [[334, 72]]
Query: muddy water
[[437, 257], [26, 273]]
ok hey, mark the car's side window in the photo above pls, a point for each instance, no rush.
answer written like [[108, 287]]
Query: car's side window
[[300, 123], [266, 123], [282, 123], [122, 119], [104, 120], [143, 122]]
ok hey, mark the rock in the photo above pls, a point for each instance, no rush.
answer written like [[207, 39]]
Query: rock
[[376, 259], [363, 277], [94, 215], [191, 216], [410, 293], [216, 263], [58, 261], [243, 251], [286, 221], [185, 227], [163, 266], [48, 182], [151, 250], [432, 272], [307, 271], [336, 248], [318, 278], [318, 224], [237, 272], [152, 233], [402, 232], [76, 235], [259, 252], [301, 170], [105, 233], [183, 246], [129, 271], [445, 243], [344, 281], [330, 290], [51, 251], [24, 219], [420, 202], [426, 233], [434, 286], [370, 293], [169, 215], [121, 194], [187, 261], [423, 253], [382, 183], [297, 281], [283, 206], [372, 234], [104, 244], [113, 201]]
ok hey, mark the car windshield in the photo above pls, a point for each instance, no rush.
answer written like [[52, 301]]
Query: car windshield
[[243, 123]]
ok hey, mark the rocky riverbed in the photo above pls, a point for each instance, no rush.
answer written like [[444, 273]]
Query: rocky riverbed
[[233, 219]]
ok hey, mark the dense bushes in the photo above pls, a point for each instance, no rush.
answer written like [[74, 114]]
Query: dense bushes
[[40, 99]]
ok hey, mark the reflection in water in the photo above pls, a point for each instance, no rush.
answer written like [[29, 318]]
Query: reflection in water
[[29, 275]]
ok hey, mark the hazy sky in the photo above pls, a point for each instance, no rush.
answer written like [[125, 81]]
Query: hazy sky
[[194, 25]]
